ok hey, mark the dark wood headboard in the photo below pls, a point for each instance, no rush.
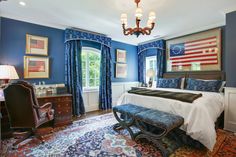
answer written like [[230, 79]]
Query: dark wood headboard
[[206, 75]]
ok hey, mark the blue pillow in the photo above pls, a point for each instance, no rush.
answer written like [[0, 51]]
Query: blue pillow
[[203, 85], [168, 82]]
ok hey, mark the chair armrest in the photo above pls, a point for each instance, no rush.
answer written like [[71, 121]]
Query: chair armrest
[[47, 105]]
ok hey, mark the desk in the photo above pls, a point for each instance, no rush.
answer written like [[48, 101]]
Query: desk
[[61, 103]]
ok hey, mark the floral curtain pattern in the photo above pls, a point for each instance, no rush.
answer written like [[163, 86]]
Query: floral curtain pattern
[[73, 77], [74, 70], [159, 45], [105, 95]]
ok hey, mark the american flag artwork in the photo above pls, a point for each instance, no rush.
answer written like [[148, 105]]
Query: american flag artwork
[[36, 66], [37, 44], [203, 51]]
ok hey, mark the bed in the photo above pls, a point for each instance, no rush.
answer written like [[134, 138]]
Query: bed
[[199, 116]]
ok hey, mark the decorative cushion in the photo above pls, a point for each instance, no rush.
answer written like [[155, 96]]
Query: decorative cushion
[[169, 82], [203, 85]]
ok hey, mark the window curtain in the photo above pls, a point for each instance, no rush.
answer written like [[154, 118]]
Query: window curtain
[[74, 71], [160, 63], [105, 95], [159, 45], [142, 67], [73, 75]]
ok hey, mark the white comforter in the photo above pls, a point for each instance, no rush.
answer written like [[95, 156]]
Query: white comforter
[[199, 116]]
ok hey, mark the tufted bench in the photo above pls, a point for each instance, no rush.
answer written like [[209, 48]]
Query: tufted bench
[[153, 124]]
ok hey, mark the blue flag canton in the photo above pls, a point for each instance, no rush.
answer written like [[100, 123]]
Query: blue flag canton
[[177, 50]]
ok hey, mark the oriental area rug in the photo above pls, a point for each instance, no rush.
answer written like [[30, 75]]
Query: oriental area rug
[[95, 137]]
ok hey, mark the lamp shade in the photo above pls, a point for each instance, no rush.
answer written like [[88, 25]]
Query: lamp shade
[[150, 73], [8, 72]]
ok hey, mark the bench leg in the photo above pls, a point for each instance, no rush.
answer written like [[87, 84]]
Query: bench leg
[[154, 138], [124, 125]]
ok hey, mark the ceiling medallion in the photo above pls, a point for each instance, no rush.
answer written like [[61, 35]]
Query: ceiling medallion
[[137, 30]]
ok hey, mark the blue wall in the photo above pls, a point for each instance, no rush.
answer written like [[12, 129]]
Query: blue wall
[[230, 45], [12, 50]]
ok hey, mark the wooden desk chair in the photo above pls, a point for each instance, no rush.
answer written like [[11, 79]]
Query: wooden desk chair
[[25, 112]]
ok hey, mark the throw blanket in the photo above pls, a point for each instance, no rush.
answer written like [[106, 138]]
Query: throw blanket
[[185, 97]]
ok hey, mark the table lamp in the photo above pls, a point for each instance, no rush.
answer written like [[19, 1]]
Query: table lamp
[[8, 72], [150, 74]]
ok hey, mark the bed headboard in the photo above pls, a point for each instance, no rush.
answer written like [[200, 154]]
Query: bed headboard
[[206, 75]]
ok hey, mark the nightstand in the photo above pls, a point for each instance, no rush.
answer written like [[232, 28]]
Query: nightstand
[[230, 109]]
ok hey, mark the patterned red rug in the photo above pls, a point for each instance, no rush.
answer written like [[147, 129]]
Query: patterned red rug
[[94, 137]]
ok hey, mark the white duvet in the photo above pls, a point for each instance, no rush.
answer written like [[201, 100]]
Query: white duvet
[[199, 116]]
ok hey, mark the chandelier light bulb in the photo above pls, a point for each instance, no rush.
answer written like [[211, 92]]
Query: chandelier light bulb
[[123, 18], [139, 13], [152, 16]]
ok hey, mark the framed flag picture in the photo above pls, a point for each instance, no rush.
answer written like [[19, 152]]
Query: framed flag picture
[[196, 52], [36, 67], [36, 45], [121, 70], [120, 56]]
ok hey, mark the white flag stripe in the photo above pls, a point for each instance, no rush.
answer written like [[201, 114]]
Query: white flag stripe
[[200, 50], [201, 62], [200, 46], [194, 59], [200, 42], [192, 55]]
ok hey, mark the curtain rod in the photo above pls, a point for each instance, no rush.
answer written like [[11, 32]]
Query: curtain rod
[[84, 30]]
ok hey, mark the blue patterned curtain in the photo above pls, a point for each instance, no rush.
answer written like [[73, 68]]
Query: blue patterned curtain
[[159, 45], [74, 72], [142, 67], [160, 63], [73, 77], [105, 100]]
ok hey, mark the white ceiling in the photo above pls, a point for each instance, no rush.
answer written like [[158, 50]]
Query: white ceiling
[[174, 17]]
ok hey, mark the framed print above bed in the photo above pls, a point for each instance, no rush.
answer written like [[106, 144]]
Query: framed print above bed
[[196, 52], [36, 45], [36, 67]]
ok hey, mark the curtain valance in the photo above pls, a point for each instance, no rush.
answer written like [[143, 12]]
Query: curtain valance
[[159, 44], [71, 34]]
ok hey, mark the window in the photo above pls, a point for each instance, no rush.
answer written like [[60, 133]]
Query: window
[[151, 63], [90, 68]]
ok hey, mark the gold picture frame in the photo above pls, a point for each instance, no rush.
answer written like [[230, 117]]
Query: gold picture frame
[[120, 56], [36, 45], [121, 70], [195, 52], [36, 67]]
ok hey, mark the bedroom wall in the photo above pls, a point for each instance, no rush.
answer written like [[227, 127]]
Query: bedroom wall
[[13, 50], [230, 59]]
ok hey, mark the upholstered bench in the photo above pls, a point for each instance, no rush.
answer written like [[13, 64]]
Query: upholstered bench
[[153, 124], [128, 111]]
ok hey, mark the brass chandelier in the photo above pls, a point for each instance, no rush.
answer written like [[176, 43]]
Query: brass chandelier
[[138, 30]]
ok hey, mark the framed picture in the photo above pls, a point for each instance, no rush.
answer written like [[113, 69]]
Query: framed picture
[[196, 52], [121, 70], [120, 56], [36, 67], [36, 45]]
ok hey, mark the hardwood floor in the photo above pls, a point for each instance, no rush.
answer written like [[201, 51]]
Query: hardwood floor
[[92, 114]]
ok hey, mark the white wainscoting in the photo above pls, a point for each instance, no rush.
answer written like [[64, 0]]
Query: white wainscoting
[[91, 98], [119, 88]]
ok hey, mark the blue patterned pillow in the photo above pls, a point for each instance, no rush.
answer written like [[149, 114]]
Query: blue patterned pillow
[[203, 85], [168, 82]]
